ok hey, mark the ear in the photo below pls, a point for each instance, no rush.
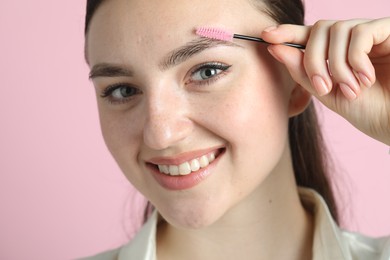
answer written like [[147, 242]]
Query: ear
[[299, 100]]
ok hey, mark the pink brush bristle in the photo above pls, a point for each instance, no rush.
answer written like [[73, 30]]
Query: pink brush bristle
[[214, 33]]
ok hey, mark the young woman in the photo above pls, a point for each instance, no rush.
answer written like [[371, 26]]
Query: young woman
[[221, 137]]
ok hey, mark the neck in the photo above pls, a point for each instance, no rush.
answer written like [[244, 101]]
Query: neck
[[269, 224]]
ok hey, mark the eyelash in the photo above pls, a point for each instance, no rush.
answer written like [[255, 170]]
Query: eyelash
[[108, 92]]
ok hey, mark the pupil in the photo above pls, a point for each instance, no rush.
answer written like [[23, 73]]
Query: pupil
[[126, 92], [209, 73]]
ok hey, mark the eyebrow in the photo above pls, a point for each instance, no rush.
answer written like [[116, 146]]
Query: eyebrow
[[109, 70], [173, 58]]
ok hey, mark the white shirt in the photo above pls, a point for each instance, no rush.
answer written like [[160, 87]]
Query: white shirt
[[330, 242]]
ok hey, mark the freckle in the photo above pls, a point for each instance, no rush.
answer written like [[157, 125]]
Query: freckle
[[270, 201]]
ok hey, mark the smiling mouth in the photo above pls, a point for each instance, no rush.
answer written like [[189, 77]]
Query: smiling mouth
[[191, 166]]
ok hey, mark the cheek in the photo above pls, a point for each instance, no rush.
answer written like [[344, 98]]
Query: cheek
[[252, 118], [122, 137], [263, 104], [255, 106], [257, 123]]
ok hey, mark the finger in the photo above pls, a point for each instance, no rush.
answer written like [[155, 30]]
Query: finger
[[316, 55], [286, 33], [342, 73], [293, 60], [368, 37]]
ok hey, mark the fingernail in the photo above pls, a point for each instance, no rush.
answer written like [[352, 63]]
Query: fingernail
[[364, 79], [320, 85], [270, 29], [347, 91]]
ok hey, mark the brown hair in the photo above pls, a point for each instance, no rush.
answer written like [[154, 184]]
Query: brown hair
[[309, 154]]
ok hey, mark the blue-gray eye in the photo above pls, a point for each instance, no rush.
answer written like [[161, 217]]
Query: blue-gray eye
[[120, 92], [205, 73], [208, 71], [123, 92]]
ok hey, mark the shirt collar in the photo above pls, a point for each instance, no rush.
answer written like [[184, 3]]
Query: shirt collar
[[327, 243], [143, 246]]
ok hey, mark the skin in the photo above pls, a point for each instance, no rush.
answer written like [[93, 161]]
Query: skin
[[253, 183], [251, 194], [358, 53]]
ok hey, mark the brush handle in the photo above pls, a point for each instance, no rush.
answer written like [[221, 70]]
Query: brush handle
[[256, 39]]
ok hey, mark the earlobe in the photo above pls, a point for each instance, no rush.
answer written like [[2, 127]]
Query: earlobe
[[299, 101]]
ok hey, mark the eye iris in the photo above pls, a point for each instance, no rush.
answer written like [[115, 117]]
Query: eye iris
[[207, 73], [126, 91]]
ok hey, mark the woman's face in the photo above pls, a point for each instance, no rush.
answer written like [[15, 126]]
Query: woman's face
[[170, 101]]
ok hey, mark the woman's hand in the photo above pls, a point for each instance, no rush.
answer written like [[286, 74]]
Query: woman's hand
[[346, 65]]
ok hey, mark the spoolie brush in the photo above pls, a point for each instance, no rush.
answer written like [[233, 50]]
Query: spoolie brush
[[223, 35]]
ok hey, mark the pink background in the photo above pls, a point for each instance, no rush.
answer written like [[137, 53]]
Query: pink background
[[61, 194]]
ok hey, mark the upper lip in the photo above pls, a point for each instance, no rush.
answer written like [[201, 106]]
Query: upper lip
[[182, 157]]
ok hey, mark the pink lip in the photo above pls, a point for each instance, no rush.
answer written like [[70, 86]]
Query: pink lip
[[182, 158], [183, 182]]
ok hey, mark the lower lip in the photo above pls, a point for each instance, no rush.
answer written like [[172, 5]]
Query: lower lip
[[184, 182]]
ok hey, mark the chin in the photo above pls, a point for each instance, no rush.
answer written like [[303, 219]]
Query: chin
[[191, 221], [192, 217]]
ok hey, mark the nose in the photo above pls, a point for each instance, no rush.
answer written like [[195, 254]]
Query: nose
[[167, 122]]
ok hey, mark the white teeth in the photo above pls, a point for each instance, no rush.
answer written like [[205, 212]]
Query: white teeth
[[163, 169], [204, 162], [173, 170], [211, 157], [195, 166], [187, 167]]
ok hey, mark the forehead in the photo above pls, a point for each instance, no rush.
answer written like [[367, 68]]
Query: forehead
[[144, 25]]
